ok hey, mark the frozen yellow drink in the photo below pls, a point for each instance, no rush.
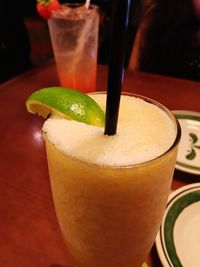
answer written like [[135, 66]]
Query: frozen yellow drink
[[110, 192]]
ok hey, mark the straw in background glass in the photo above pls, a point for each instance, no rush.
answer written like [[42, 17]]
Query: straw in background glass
[[87, 3]]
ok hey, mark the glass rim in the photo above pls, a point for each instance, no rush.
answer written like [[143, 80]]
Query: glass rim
[[56, 15], [171, 116], [77, 4]]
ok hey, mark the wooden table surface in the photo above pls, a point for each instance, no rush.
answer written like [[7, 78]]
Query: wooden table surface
[[29, 234]]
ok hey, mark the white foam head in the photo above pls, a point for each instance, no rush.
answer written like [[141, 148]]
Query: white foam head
[[144, 133]]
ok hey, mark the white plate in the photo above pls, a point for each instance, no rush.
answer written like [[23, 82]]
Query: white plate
[[188, 159], [178, 240]]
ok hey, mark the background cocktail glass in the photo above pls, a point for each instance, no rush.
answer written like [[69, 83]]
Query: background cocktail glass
[[74, 36], [109, 216]]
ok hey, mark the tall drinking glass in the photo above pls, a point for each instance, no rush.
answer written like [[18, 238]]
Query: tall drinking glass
[[74, 35], [109, 214]]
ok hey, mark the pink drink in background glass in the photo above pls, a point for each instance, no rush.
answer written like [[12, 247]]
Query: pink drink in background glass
[[74, 35]]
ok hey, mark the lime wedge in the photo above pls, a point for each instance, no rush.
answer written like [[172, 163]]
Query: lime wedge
[[66, 103]]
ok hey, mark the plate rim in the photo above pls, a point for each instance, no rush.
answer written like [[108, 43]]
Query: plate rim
[[179, 165], [175, 195]]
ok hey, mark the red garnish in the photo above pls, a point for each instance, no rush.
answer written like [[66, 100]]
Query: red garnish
[[45, 7]]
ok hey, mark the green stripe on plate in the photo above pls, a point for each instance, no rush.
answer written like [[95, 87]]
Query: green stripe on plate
[[187, 116], [188, 166], [177, 207]]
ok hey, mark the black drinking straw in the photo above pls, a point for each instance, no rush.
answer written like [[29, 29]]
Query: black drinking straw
[[116, 63]]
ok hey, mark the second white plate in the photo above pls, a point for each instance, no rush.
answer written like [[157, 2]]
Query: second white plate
[[188, 159], [178, 241]]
